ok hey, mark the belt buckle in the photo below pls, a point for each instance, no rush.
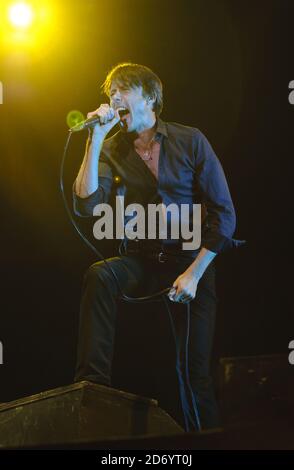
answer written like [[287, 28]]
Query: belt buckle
[[160, 257]]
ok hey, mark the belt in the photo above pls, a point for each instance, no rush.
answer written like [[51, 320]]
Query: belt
[[161, 257], [157, 254]]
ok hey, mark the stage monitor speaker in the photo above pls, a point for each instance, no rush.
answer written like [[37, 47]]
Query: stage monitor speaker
[[81, 412], [256, 388]]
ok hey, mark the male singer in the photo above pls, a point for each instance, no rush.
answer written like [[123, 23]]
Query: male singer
[[152, 161]]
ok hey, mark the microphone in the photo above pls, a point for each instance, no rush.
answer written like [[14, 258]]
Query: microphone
[[92, 121], [86, 124]]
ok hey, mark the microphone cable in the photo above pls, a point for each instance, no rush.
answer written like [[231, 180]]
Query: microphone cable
[[149, 298]]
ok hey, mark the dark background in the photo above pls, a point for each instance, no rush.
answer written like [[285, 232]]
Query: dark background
[[225, 66]]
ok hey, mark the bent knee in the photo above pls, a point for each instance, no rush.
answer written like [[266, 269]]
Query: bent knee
[[97, 272]]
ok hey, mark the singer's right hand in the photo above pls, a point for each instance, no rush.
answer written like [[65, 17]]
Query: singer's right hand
[[108, 118]]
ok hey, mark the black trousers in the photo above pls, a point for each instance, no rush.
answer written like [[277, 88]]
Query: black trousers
[[137, 274]]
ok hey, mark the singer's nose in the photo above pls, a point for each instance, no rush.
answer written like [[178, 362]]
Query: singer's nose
[[116, 102]]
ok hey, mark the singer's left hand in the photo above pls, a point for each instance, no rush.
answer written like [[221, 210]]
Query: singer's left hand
[[184, 288]]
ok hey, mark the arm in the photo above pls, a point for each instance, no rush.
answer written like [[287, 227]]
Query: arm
[[94, 180], [199, 265], [87, 181], [219, 224], [185, 286]]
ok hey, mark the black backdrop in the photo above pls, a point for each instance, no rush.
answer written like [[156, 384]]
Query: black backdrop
[[226, 66]]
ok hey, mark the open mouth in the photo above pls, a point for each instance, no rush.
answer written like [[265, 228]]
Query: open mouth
[[123, 112]]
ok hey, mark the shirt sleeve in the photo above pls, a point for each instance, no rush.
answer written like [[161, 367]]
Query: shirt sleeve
[[83, 207], [220, 222]]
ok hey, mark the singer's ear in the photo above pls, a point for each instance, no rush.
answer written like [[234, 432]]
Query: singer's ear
[[151, 99]]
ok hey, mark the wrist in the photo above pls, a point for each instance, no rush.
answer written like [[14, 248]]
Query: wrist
[[195, 273], [98, 135]]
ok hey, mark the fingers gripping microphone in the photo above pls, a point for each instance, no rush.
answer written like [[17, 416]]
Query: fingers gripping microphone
[[92, 121]]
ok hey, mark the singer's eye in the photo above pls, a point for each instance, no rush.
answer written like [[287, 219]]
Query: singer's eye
[[121, 89]]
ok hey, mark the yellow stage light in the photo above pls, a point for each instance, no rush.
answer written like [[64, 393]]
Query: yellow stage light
[[74, 117], [21, 15]]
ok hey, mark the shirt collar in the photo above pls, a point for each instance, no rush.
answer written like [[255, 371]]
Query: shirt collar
[[161, 130], [161, 127]]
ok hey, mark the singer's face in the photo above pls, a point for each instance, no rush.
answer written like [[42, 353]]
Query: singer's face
[[140, 115]]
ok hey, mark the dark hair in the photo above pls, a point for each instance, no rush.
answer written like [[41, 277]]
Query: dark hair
[[135, 75]]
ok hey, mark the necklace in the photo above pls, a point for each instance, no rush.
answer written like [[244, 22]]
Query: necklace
[[145, 154]]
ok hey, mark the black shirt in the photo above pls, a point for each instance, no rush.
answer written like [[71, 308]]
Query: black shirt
[[189, 172]]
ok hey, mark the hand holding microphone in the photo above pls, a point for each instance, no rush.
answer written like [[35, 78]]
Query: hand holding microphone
[[103, 119]]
